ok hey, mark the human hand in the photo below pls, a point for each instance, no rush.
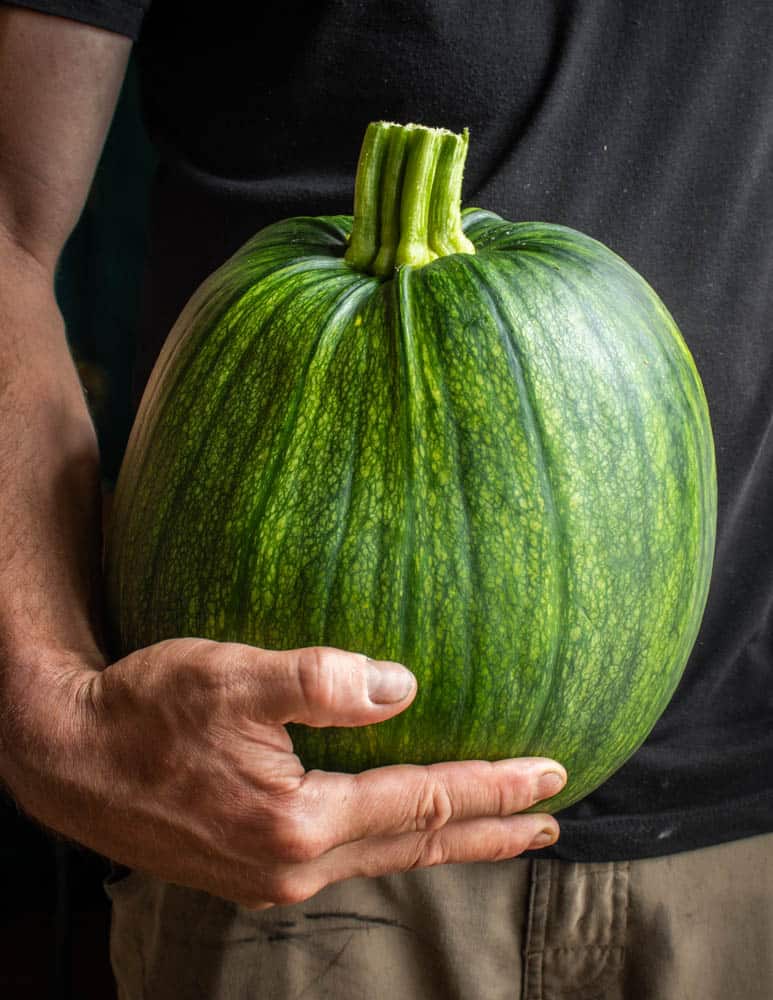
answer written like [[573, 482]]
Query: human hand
[[175, 760]]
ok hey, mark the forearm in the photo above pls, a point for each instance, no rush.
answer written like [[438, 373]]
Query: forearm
[[60, 82], [49, 503]]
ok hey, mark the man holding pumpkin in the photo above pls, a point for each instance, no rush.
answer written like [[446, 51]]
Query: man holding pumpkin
[[174, 760]]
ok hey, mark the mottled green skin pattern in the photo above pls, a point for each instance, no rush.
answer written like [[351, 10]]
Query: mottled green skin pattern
[[497, 469]]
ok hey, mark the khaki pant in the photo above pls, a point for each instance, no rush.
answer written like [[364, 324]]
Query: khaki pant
[[693, 926]]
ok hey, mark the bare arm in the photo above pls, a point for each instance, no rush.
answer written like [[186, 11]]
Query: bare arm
[[175, 759], [51, 137], [60, 82]]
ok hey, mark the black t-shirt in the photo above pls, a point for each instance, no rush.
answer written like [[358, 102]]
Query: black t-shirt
[[648, 126]]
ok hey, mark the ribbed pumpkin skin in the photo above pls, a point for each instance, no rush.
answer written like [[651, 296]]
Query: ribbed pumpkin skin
[[497, 469]]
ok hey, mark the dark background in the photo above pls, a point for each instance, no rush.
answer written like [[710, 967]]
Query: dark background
[[54, 915]]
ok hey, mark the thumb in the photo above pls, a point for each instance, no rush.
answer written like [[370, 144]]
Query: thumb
[[320, 686]]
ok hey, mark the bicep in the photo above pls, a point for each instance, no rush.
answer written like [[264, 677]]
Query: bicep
[[59, 83]]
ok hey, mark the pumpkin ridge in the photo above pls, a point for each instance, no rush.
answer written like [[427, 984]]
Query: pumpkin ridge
[[177, 356], [465, 691], [402, 303], [677, 365], [530, 410], [593, 320], [465, 696], [222, 397], [242, 590], [346, 502], [186, 366], [550, 277]]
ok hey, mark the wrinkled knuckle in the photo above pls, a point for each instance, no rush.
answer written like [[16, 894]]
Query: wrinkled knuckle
[[316, 677], [436, 807], [433, 851], [504, 800]]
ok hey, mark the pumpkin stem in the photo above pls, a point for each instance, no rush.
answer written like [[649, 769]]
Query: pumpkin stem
[[407, 198]]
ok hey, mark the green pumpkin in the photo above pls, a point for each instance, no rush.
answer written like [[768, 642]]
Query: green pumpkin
[[477, 447]]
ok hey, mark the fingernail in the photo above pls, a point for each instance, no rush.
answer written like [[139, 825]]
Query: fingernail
[[388, 682], [547, 784], [544, 838]]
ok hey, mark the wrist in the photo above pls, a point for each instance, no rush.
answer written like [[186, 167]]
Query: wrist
[[43, 698]]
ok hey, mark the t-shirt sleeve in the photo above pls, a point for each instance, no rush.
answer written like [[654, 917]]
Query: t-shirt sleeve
[[121, 16]]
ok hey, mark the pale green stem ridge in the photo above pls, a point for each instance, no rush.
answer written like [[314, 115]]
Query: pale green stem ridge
[[363, 243], [407, 198], [447, 235], [421, 160], [389, 202]]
